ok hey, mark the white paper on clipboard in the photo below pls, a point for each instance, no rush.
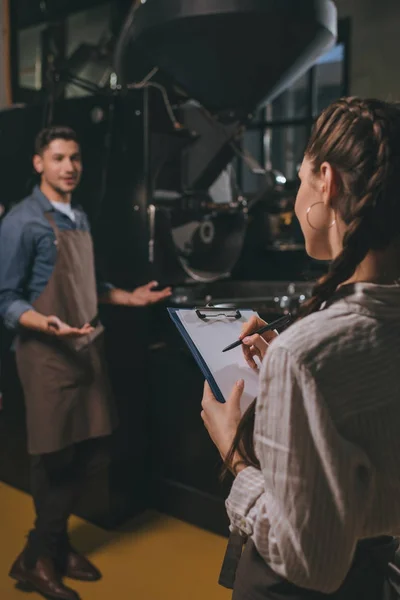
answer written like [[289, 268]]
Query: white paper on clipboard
[[210, 337]]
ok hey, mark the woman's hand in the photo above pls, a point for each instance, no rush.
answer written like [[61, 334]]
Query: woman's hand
[[255, 345], [222, 420]]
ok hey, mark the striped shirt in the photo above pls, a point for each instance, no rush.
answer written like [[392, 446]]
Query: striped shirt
[[327, 434]]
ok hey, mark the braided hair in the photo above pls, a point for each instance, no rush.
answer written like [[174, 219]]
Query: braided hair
[[360, 139]]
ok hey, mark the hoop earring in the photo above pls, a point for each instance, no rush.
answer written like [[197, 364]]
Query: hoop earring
[[318, 228]]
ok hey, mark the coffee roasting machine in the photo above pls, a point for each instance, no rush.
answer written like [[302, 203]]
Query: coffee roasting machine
[[159, 139]]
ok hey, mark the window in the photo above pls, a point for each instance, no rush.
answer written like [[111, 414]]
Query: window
[[30, 57], [87, 35], [279, 132], [80, 38], [329, 77]]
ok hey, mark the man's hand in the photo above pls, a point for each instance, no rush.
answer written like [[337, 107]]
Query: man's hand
[[145, 296], [141, 296], [255, 345], [31, 319], [59, 329]]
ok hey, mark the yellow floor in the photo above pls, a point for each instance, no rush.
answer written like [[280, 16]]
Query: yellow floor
[[159, 558]]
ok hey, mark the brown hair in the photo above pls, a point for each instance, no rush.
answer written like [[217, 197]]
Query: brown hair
[[360, 139], [56, 132]]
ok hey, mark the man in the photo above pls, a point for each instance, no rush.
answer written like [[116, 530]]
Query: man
[[49, 295]]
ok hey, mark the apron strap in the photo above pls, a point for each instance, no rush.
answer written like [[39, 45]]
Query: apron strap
[[53, 224], [231, 560]]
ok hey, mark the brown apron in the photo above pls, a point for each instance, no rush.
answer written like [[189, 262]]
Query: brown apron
[[67, 392], [374, 574]]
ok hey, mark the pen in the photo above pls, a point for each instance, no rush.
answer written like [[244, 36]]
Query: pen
[[281, 322]]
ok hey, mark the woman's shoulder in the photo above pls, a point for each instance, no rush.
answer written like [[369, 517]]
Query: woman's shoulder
[[316, 337]]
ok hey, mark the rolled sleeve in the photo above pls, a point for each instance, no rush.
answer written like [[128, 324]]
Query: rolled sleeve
[[103, 287], [241, 504], [14, 312]]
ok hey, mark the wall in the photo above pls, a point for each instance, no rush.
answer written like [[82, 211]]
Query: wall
[[5, 84], [375, 47]]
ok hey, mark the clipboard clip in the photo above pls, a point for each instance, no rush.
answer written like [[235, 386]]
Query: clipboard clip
[[212, 312]]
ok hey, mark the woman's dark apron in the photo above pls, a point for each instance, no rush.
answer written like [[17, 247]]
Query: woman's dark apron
[[66, 387], [374, 574]]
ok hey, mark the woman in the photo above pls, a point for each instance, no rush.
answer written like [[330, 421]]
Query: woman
[[317, 488]]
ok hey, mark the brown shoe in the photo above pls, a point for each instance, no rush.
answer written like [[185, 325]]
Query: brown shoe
[[43, 578], [78, 567]]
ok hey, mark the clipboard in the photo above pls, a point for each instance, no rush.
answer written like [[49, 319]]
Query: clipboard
[[206, 331]]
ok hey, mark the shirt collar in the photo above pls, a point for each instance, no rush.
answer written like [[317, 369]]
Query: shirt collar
[[45, 203], [42, 200]]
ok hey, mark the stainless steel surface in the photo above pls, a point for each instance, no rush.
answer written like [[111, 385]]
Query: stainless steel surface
[[268, 297]]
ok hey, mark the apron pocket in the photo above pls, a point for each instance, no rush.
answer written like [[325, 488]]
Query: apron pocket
[[66, 369]]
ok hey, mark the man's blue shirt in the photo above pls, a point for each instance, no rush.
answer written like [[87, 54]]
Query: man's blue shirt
[[28, 253]]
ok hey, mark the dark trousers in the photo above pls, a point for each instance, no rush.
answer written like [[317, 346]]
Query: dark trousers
[[369, 578], [57, 481]]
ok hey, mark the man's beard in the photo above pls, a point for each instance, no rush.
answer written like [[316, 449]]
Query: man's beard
[[61, 191]]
